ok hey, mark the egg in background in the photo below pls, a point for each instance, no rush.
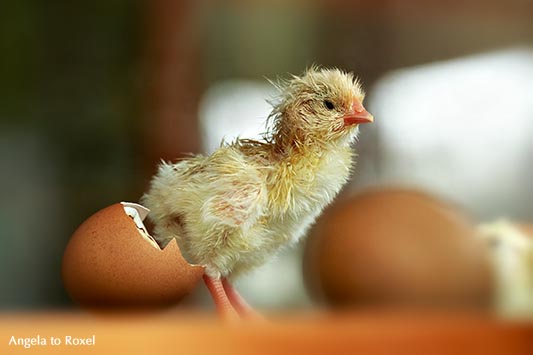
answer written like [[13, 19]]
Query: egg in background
[[397, 248]]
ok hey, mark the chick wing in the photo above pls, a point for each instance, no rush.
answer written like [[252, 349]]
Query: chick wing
[[235, 189]]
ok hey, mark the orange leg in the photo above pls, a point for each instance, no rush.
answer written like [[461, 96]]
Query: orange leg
[[222, 302], [239, 304]]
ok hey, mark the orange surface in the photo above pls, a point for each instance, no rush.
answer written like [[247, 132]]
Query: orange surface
[[176, 333]]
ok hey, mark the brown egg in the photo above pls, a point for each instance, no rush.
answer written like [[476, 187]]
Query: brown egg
[[397, 248], [111, 261], [526, 228]]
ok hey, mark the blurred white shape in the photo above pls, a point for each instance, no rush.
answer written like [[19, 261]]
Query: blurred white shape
[[512, 257], [234, 108], [238, 108], [462, 129], [278, 284]]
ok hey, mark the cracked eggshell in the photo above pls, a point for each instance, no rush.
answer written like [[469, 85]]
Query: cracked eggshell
[[111, 261]]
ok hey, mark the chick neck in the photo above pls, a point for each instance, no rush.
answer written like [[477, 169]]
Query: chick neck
[[291, 143], [298, 164]]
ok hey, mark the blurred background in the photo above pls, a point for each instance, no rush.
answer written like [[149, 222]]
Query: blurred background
[[94, 94]]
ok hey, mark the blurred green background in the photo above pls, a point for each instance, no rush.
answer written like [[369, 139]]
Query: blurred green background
[[93, 94]]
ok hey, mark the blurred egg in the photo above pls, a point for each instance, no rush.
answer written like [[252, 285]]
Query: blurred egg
[[112, 261], [527, 229], [397, 248]]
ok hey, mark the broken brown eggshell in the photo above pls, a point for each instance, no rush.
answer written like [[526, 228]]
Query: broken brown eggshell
[[112, 262]]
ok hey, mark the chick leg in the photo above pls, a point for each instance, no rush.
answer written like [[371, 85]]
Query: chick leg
[[239, 304], [222, 302]]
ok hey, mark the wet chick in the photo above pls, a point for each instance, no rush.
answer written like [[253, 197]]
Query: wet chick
[[234, 209]]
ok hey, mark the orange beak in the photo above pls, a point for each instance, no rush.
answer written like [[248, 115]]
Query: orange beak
[[358, 115]]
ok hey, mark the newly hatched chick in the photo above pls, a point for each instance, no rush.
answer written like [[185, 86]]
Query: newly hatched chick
[[233, 210]]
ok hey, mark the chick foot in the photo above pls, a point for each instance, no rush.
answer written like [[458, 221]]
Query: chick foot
[[229, 304], [222, 303], [239, 304]]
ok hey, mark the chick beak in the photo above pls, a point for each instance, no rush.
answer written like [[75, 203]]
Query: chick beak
[[357, 115]]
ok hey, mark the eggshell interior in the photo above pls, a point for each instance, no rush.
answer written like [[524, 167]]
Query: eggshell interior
[[109, 262]]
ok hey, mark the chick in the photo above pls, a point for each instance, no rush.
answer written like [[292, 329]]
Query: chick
[[236, 208]]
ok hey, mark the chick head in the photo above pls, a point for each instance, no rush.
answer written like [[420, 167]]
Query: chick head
[[323, 105]]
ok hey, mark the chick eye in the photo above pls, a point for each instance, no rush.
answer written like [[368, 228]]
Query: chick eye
[[329, 105]]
